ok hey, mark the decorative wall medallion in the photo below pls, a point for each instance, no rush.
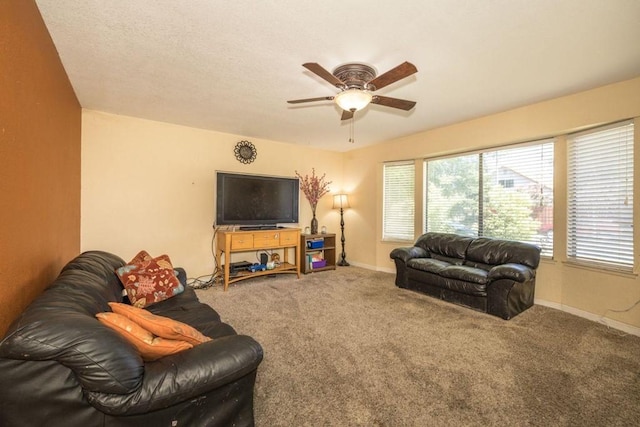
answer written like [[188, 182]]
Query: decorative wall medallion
[[245, 152]]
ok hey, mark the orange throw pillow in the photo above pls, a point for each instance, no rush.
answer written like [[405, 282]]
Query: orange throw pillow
[[161, 326], [150, 347]]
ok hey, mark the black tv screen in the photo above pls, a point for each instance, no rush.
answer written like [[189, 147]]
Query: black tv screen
[[256, 199]]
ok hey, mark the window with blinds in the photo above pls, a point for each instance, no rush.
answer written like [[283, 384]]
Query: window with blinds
[[600, 196], [505, 193], [398, 211], [451, 202]]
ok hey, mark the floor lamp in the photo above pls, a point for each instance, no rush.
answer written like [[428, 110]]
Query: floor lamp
[[341, 201]]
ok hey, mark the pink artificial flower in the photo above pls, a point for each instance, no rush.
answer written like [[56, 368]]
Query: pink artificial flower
[[313, 187]]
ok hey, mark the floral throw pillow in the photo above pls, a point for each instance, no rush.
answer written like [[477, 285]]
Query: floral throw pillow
[[149, 281], [140, 257]]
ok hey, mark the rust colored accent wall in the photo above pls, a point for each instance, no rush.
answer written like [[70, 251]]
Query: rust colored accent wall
[[40, 128]]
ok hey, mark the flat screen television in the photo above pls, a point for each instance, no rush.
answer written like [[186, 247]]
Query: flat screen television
[[256, 200]]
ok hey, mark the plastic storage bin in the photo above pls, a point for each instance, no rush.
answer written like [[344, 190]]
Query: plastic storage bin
[[315, 244], [319, 264]]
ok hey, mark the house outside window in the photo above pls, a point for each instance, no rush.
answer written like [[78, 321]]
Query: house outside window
[[506, 183], [600, 196], [505, 193]]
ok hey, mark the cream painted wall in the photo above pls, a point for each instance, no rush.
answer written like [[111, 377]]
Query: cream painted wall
[[559, 284], [151, 185]]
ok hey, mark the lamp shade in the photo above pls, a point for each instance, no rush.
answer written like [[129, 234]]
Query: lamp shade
[[340, 201], [353, 99]]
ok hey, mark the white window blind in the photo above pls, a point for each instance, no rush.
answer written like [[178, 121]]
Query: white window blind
[[600, 196], [398, 201], [505, 193]]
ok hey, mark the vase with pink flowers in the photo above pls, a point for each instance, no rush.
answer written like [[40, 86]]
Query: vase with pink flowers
[[313, 187]]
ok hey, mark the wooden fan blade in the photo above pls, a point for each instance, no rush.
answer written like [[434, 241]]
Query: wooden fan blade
[[321, 72], [346, 115], [402, 104], [322, 98], [398, 73]]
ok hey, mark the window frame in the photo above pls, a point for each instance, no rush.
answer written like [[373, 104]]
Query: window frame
[[624, 236], [545, 242]]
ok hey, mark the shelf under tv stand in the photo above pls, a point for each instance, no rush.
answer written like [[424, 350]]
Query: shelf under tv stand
[[228, 242]]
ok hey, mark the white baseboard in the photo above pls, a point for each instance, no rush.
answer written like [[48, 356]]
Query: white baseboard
[[391, 270], [624, 327], [361, 265]]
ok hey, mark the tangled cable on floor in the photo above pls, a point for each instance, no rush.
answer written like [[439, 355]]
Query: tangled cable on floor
[[208, 280]]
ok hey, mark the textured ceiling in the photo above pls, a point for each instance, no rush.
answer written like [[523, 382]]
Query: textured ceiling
[[230, 66]]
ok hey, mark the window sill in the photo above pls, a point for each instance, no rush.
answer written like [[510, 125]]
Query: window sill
[[601, 268], [404, 242]]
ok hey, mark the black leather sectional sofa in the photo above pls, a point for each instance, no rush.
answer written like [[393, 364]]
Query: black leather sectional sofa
[[490, 275], [59, 366]]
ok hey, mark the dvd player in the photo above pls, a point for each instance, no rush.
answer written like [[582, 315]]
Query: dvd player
[[234, 267]]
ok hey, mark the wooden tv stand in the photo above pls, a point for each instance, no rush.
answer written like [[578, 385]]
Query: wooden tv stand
[[228, 242]]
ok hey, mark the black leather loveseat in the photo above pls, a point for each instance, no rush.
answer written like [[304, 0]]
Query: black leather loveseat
[[489, 275], [60, 366]]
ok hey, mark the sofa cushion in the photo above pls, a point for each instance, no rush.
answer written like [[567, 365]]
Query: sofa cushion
[[495, 251], [449, 245], [466, 274], [476, 264], [161, 326], [433, 284], [150, 281], [447, 259], [150, 347], [430, 265]]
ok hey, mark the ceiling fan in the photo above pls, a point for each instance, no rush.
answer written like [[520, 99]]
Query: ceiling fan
[[357, 82]]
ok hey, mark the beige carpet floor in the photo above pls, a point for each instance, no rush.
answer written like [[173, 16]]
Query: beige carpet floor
[[348, 348]]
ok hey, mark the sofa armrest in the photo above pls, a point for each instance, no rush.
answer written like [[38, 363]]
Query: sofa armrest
[[518, 272], [408, 253], [185, 375]]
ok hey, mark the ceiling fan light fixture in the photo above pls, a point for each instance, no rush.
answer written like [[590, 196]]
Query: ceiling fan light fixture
[[353, 99]]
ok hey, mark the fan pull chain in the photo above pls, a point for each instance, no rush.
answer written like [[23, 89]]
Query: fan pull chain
[[351, 129]]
